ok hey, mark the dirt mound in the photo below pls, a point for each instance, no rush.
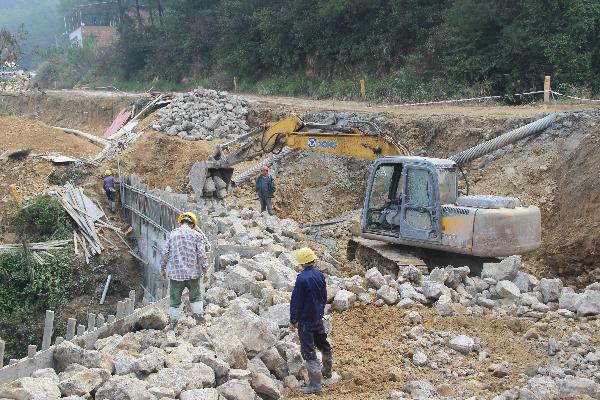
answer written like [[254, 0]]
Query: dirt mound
[[161, 160], [558, 171], [369, 340], [20, 133]]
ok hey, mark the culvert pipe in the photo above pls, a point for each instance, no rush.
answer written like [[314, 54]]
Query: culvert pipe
[[503, 140]]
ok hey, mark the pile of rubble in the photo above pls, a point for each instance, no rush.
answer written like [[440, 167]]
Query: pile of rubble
[[14, 81], [245, 348], [204, 114]]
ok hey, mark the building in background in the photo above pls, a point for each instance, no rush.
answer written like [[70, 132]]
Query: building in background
[[100, 21]]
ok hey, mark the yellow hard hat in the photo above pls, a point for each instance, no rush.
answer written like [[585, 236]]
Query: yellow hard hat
[[108, 172], [305, 255], [189, 215]]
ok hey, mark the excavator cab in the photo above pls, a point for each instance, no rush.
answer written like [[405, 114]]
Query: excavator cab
[[405, 197], [414, 201]]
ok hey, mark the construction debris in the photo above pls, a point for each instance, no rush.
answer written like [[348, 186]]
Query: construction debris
[[85, 214], [204, 114], [35, 248]]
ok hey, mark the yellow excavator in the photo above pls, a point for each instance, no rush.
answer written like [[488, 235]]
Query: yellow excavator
[[412, 212]]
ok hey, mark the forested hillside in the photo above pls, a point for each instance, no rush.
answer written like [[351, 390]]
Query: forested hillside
[[405, 49]]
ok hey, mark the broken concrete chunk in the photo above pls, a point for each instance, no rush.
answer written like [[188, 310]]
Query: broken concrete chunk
[[462, 343], [343, 300], [506, 269]]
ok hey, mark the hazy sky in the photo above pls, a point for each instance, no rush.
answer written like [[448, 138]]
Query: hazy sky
[[41, 19]]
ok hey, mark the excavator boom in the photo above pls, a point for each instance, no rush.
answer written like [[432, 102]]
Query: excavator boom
[[211, 178]]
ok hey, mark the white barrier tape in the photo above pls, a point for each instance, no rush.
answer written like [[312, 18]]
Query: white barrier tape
[[574, 97], [462, 100]]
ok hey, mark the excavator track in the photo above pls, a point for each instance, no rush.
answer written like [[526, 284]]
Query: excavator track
[[390, 259]]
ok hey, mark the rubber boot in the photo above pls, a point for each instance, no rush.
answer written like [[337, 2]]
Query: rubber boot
[[198, 312], [315, 377], [174, 313], [327, 365]]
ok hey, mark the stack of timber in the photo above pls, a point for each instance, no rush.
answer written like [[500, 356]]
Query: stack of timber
[[37, 249], [86, 215]]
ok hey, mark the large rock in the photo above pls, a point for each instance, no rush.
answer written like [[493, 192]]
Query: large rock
[[279, 313], [507, 290], [68, 353], [237, 390], [462, 343], [152, 318], [281, 276], [149, 363], [588, 303], [173, 378], [124, 388], [550, 289], [343, 300], [571, 386], [200, 376], [568, 299], [30, 388], [525, 282], [199, 394], [48, 373], [256, 333], [374, 278], [210, 358], [241, 281], [544, 387], [81, 381], [274, 362], [231, 350], [264, 385], [506, 269], [407, 291], [420, 389], [432, 290], [388, 294], [219, 296]]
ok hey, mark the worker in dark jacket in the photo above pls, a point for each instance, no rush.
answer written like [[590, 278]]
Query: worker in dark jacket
[[265, 188], [306, 314]]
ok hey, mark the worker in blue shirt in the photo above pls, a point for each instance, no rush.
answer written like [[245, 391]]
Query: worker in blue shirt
[[306, 314]]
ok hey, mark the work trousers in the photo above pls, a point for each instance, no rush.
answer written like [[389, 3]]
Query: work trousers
[[176, 290], [266, 204], [312, 335], [111, 195]]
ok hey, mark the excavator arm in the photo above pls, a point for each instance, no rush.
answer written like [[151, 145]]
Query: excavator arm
[[293, 132]]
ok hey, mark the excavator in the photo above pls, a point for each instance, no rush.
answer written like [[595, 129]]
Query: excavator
[[413, 213]]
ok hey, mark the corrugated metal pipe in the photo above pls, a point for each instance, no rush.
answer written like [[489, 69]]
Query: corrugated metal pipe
[[503, 140]]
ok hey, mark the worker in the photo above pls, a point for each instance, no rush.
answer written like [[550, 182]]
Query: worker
[[392, 206], [185, 262], [108, 184], [307, 307], [265, 188]]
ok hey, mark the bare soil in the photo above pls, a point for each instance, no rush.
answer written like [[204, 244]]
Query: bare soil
[[161, 160], [20, 133], [367, 342]]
